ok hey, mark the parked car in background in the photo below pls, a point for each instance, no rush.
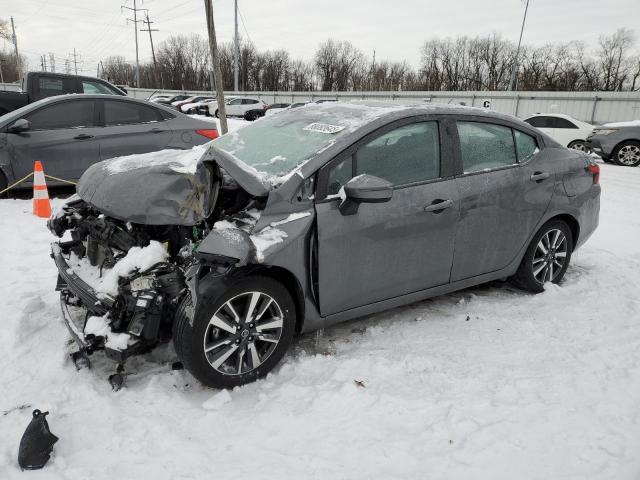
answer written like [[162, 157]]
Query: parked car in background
[[158, 98], [564, 129], [237, 106], [69, 133], [39, 85], [256, 113], [194, 98], [191, 106], [327, 213], [174, 98], [617, 142]]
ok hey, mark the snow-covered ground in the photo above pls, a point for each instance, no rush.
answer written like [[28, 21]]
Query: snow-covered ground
[[487, 383]]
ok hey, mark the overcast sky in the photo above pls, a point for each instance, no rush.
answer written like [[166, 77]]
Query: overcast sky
[[395, 30]]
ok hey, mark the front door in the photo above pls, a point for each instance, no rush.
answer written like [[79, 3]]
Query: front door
[[62, 136], [394, 248], [505, 187]]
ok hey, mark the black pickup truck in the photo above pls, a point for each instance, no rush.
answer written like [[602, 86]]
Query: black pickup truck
[[38, 85]]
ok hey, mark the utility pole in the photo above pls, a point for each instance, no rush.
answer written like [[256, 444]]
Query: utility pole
[[215, 61], [75, 60], [15, 47], [236, 56], [514, 68], [153, 53], [43, 66], [135, 21]]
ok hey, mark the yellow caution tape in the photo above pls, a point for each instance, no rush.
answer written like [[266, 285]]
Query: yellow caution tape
[[16, 183]]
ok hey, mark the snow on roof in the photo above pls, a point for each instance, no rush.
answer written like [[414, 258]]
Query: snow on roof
[[631, 123]]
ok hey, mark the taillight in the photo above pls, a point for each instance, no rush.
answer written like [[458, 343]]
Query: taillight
[[594, 168], [209, 133]]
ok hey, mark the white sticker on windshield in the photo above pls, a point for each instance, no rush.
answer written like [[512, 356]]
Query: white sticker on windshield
[[323, 128]]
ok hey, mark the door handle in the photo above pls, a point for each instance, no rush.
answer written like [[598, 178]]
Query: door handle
[[438, 205], [539, 176], [83, 136]]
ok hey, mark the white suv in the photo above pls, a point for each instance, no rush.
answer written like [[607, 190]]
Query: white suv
[[237, 106]]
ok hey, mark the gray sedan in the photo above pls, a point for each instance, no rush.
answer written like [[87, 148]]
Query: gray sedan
[[618, 143], [314, 216], [69, 133]]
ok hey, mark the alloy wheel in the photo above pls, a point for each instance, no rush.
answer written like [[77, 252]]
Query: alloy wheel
[[243, 333], [629, 155], [580, 146], [550, 256]]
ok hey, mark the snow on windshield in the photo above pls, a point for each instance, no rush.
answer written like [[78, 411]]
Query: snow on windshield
[[277, 145], [181, 161]]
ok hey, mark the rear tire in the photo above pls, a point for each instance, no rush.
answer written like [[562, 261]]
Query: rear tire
[[547, 257], [627, 154], [217, 114], [225, 346]]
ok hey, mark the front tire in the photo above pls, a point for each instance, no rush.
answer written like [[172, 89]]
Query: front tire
[[238, 337], [627, 154], [217, 114], [547, 257]]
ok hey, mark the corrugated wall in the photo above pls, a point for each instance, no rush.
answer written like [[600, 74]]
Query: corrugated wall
[[592, 107]]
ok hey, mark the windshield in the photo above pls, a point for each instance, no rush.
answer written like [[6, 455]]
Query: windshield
[[277, 144]]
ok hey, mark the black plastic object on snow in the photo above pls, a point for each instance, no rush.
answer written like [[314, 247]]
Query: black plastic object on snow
[[37, 443]]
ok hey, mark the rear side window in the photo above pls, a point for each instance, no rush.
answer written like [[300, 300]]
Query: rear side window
[[98, 88], [407, 154], [525, 144], [542, 122], [485, 146], [127, 113], [71, 114], [564, 123], [50, 86]]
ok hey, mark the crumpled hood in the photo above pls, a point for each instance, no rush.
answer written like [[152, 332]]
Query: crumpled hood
[[170, 187]]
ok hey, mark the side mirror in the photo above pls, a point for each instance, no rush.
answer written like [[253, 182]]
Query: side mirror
[[19, 126], [365, 189]]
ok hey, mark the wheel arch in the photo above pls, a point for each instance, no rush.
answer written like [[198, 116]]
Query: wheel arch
[[572, 223], [291, 283], [636, 140]]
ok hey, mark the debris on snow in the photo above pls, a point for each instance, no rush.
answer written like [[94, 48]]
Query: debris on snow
[[100, 327]]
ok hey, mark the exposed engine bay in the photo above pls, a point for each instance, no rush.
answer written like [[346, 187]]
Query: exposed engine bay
[[121, 282]]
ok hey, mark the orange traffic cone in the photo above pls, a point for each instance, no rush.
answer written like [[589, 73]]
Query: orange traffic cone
[[41, 204]]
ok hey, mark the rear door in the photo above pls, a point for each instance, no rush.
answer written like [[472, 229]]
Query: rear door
[[131, 127], [62, 137], [234, 107], [505, 185], [388, 249]]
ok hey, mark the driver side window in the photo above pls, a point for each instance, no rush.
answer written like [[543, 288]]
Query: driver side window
[[404, 155]]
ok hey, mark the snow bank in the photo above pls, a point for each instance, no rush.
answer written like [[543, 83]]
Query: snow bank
[[486, 383]]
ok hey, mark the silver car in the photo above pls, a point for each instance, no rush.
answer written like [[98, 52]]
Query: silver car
[[312, 217], [617, 143], [69, 133]]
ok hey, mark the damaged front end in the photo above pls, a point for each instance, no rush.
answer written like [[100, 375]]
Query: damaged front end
[[129, 245]]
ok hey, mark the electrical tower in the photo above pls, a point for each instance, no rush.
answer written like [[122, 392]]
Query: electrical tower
[[153, 53], [52, 62], [135, 21]]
